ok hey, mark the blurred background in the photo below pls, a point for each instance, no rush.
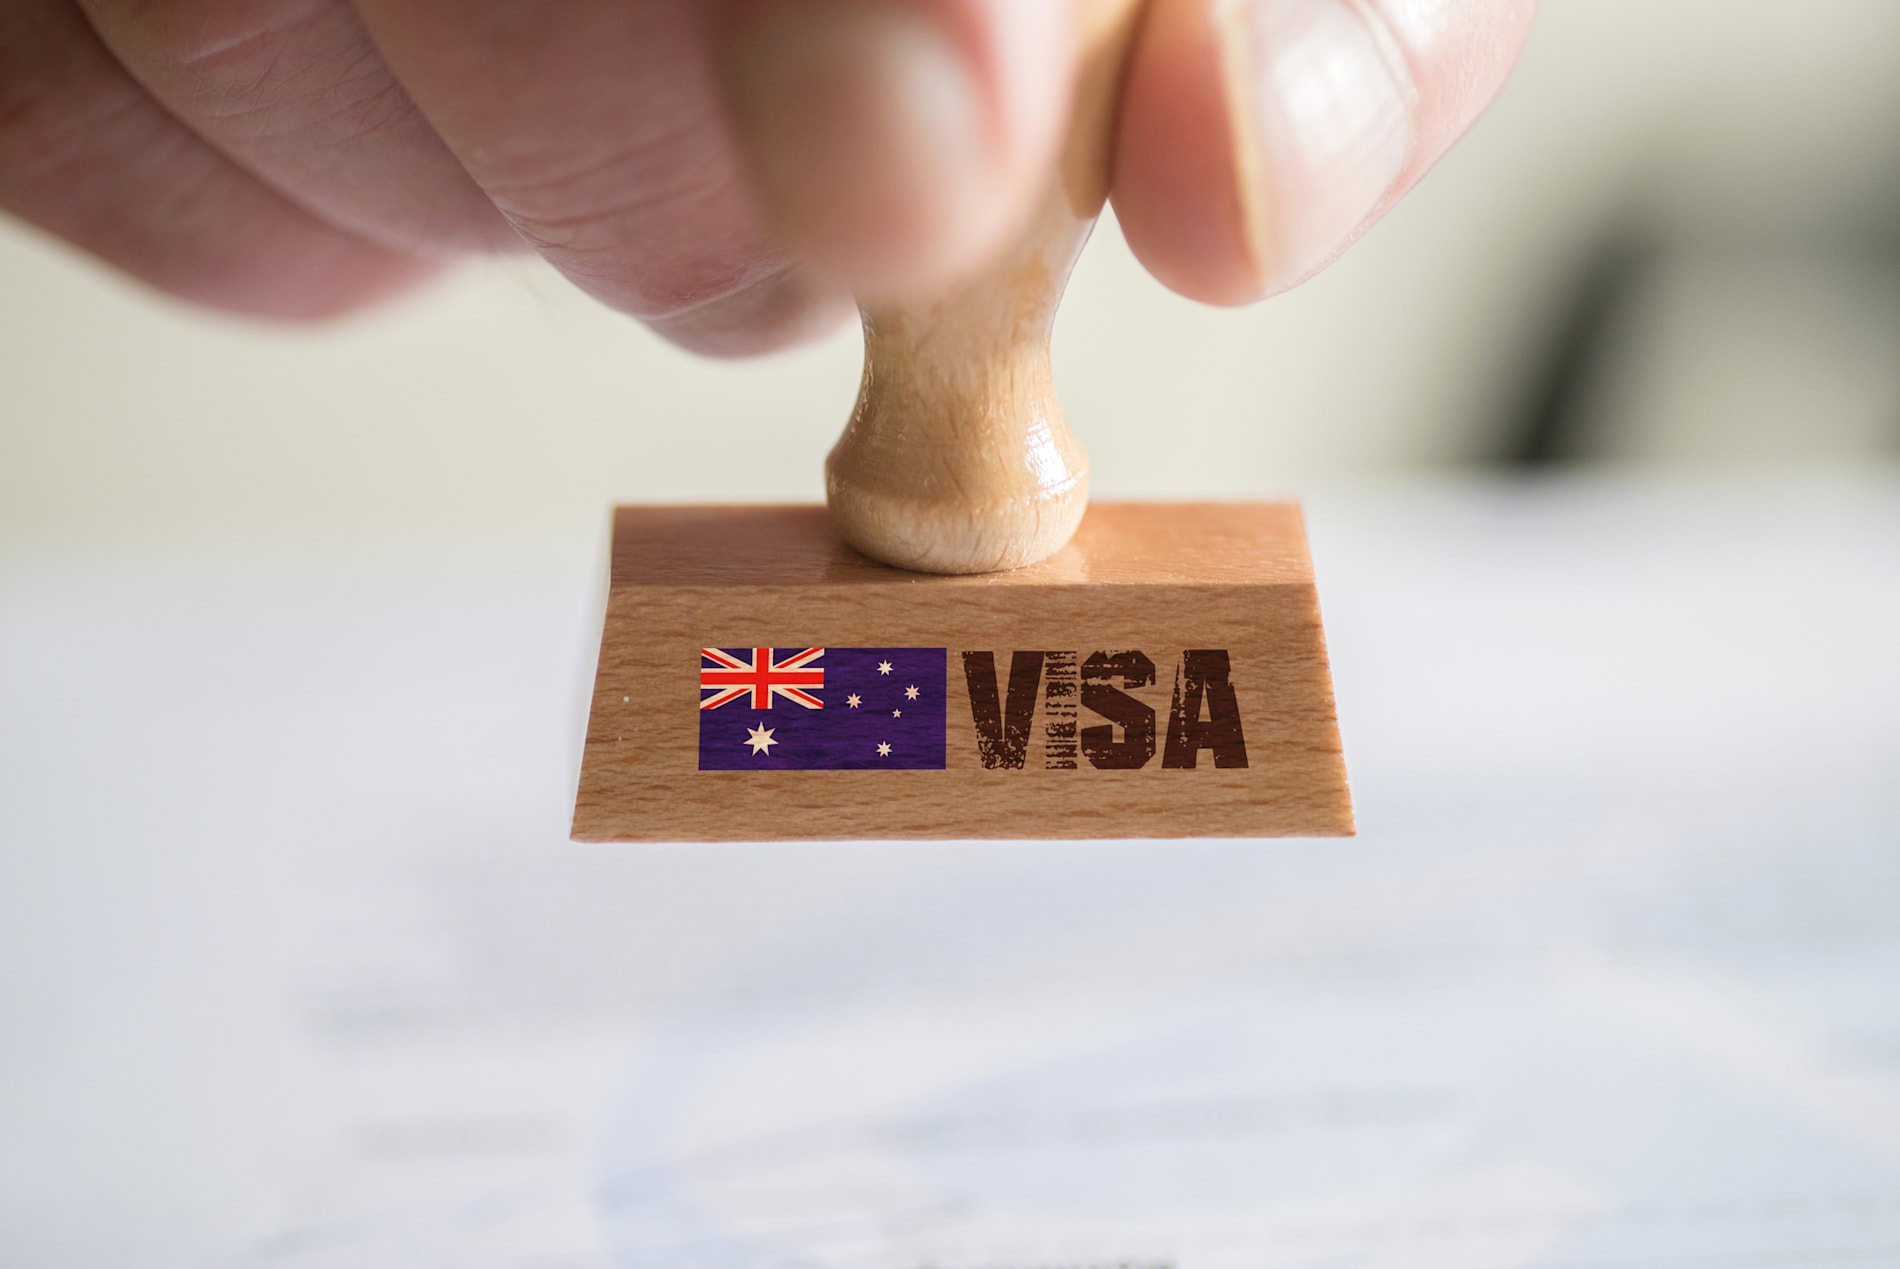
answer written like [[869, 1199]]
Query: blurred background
[[1672, 242], [1596, 435]]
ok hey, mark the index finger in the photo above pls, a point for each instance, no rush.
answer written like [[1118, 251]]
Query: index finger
[[594, 126]]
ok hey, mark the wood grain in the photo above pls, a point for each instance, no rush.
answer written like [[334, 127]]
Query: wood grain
[[1162, 579]]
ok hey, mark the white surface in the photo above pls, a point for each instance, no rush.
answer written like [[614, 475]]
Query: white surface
[[297, 967]]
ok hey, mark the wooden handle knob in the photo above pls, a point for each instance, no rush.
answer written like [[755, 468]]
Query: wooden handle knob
[[956, 458]]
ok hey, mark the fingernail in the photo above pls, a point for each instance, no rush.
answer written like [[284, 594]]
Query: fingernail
[[1332, 110], [866, 127]]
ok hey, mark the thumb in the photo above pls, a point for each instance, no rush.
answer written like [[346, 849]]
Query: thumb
[[895, 145], [1259, 138]]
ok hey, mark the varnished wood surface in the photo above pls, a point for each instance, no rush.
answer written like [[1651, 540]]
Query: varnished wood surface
[[1160, 578], [1119, 543]]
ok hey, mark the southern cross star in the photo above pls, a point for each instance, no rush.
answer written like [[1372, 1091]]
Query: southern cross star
[[760, 738], [854, 700], [897, 713], [883, 667], [910, 693], [884, 750]]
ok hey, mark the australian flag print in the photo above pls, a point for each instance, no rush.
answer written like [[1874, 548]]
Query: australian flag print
[[822, 709]]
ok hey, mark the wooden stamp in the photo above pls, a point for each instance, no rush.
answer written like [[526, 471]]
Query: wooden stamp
[[945, 654], [1163, 675]]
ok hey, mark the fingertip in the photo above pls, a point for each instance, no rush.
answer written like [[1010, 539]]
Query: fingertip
[[1293, 119], [1260, 138], [895, 144], [1180, 192]]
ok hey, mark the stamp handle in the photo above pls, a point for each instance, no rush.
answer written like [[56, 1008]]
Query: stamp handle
[[956, 458]]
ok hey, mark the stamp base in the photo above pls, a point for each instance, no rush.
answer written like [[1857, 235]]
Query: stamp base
[[1164, 675]]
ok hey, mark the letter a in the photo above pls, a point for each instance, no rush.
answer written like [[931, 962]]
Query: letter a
[[1002, 726], [1203, 677]]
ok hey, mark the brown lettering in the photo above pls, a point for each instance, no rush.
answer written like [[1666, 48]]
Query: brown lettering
[[1202, 677], [1137, 720], [1002, 724], [1058, 711]]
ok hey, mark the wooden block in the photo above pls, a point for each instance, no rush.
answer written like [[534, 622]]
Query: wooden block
[[1164, 675]]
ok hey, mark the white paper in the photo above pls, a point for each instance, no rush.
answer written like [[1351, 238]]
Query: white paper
[[299, 969]]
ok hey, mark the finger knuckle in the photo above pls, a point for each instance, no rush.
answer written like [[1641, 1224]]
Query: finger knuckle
[[661, 237]]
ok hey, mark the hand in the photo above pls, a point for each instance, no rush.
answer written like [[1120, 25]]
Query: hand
[[725, 171]]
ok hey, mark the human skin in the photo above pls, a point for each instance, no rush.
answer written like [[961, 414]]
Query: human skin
[[727, 171]]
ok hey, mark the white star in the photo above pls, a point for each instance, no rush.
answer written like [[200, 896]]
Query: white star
[[883, 667], [910, 693], [883, 750], [897, 713], [854, 700], [760, 738]]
